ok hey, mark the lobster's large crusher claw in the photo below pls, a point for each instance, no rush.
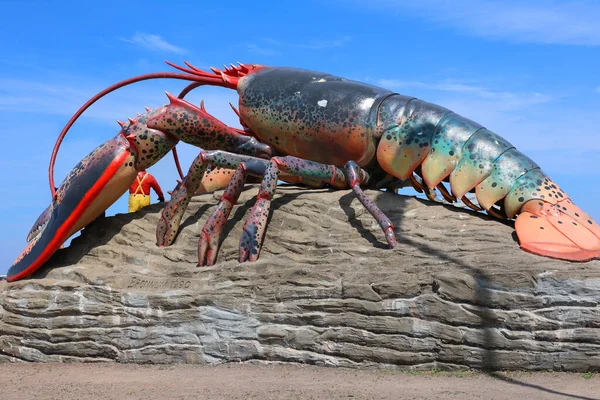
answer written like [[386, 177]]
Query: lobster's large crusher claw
[[91, 187]]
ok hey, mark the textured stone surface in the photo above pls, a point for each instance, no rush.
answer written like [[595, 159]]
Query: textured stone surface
[[457, 292]]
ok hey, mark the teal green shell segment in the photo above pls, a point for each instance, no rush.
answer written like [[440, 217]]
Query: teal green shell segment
[[415, 126], [509, 167], [404, 146], [533, 185], [390, 112], [481, 150], [419, 122], [451, 134]]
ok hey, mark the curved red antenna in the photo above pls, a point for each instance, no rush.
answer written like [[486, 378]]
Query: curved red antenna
[[192, 75], [189, 88], [176, 158]]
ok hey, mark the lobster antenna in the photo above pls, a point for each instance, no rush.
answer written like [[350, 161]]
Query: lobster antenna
[[176, 158], [193, 68], [189, 75], [189, 88]]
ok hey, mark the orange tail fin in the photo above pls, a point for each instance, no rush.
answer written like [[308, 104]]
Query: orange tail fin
[[559, 230]]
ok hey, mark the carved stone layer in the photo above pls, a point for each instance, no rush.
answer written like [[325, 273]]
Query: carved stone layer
[[457, 292]]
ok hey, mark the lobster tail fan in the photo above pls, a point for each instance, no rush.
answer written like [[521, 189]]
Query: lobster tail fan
[[561, 231]]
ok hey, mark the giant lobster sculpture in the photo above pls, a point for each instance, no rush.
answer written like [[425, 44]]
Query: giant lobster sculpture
[[319, 129]]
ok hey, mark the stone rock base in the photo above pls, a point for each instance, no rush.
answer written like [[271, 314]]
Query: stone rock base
[[456, 293]]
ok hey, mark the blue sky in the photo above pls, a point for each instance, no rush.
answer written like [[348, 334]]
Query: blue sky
[[526, 70]]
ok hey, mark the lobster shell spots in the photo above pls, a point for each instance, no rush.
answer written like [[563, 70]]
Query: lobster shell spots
[[477, 161], [533, 185], [446, 147], [510, 166], [403, 148], [559, 230]]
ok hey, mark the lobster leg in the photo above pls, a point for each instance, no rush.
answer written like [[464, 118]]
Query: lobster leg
[[256, 224], [210, 238], [356, 176], [208, 246], [287, 169], [168, 224]]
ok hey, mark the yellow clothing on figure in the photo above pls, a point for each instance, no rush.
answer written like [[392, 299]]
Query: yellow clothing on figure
[[139, 191], [138, 201]]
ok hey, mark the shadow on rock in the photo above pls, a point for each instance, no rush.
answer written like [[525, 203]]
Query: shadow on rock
[[96, 234]]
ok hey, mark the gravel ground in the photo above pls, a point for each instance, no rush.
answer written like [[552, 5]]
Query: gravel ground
[[243, 381]]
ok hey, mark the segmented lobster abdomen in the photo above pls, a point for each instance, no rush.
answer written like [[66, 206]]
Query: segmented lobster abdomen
[[447, 145], [408, 126]]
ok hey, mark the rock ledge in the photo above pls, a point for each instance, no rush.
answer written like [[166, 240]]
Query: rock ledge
[[456, 293]]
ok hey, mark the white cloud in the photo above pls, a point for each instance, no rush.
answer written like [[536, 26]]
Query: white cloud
[[326, 44], [505, 100], [154, 43], [272, 41], [253, 47], [315, 44], [64, 98], [535, 21]]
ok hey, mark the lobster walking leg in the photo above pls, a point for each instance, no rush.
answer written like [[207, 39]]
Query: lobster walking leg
[[170, 219], [356, 176], [210, 238], [288, 169], [208, 245], [256, 224]]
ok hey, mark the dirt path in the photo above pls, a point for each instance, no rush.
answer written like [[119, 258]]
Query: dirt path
[[123, 382]]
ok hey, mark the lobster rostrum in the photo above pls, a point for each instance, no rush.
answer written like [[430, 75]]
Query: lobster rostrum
[[317, 129]]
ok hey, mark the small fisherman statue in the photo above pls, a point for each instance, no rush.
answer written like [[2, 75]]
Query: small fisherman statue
[[139, 191]]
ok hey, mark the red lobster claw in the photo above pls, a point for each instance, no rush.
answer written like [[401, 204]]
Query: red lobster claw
[[89, 189]]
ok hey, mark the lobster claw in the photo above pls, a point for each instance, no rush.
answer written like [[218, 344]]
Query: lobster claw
[[39, 223], [91, 187]]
